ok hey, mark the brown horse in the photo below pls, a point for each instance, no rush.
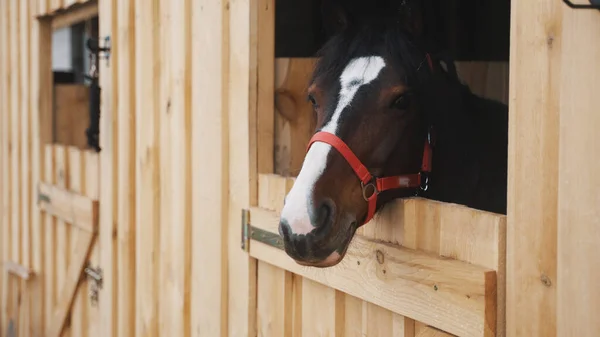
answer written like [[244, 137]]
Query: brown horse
[[392, 122]]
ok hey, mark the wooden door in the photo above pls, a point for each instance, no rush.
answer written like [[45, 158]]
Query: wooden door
[[420, 268]]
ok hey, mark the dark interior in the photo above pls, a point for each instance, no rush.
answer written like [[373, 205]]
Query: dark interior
[[469, 30]]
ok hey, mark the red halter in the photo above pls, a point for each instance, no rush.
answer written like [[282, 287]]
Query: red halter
[[372, 186]]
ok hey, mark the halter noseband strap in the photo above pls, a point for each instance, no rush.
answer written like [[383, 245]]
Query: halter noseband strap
[[371, 186]]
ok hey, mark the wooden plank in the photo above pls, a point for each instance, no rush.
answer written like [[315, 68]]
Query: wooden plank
[[534, 106], [578, 300], [17, 269], [75, 15], [209, 140], [265, 121], [15, 143], [90, 189], [108, 166], [147, 213], [454, 296], [4, 163], [274, 304], [50, 242], [243, 177], [69, 207], [126, 172], [422, 330], [25, 148], [68, 289], [175, 168], [76, 169], [272, 189], [38, 132], [54, 5], [322, 310], [63, 232]]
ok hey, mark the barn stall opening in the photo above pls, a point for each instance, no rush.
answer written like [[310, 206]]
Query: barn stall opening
[[171, 229]]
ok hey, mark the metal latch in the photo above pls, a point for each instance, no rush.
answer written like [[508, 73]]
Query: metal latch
[[257, 234], [94, 275]]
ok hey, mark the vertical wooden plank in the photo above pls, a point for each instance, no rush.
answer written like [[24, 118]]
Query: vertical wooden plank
[[578, 299], [126, 169], [91, 190], [44, 89], [274, 307], [43, 6], [535, 61], [50, 242], [75, 182], [4, 129], [209, 140], [38, 132], [266, 86], [147, 208], [24, 132], [175, 168], [63, 230], [242, 164], [108, 166], [323, 310], [14, 147], [354, 317]]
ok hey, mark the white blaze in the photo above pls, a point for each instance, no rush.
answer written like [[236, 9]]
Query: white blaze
[[360, 71]]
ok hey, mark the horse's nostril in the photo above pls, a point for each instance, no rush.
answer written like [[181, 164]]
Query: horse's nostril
[[325, 213]]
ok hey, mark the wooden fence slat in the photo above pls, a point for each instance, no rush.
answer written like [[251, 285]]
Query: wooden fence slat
[[209, 197], [126, 173], [90, 189], [534, 133], [274, 303], [108, 159], [61, 173], [4, 177], [76, 169], [147, 216], [50, 254]]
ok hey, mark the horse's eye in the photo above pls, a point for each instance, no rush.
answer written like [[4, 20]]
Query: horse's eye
[[401, 103], [312, 101]]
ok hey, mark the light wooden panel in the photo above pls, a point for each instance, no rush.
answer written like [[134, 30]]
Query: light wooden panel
[[534, 133], [4, 163], [322, 310], [209, 167], [243, 178], [147, 213], [109, 170], [578, 233], [175, 165], [125, 129]]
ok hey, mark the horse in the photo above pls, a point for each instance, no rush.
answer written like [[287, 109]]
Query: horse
[[393, 120]]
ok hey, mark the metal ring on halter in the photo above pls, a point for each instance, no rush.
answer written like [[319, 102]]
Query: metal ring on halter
[[364, 187]]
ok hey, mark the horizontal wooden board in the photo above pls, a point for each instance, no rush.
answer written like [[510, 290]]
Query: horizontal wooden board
[[72, 208], [448, 294]]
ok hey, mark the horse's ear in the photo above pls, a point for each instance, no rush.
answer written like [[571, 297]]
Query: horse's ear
[[336, 17]]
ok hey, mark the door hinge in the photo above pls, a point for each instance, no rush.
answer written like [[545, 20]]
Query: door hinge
[[95, 276], [257, 234]]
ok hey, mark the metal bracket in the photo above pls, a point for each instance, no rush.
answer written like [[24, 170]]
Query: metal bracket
[[102, 51], [257, 234], [95, 275], [594, 4]]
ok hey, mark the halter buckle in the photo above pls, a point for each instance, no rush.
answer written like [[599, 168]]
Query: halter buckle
[[365, 189]]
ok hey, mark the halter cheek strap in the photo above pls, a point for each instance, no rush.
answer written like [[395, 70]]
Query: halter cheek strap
[[371, 186]]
